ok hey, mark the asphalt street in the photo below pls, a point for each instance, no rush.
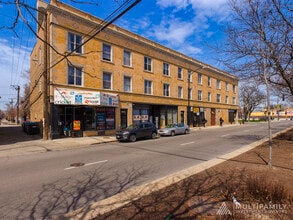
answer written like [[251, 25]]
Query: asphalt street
[[43, 185]]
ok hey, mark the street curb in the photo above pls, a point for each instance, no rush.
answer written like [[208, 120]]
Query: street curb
[[117, 201]]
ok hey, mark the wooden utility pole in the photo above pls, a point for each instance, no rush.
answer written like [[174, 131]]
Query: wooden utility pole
[[45, 82], [17, 87]]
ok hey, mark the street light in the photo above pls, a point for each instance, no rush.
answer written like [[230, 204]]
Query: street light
[[189, 94]]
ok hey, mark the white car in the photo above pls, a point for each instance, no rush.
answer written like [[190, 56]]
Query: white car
[[174, 129]]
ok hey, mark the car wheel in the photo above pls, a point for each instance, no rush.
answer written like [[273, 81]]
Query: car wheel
[[172, 133], [154, 135], [132, 138], [186, 131]]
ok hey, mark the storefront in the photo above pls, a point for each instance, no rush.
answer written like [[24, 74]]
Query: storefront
[[79, 111], [199, 118], [160, 115]]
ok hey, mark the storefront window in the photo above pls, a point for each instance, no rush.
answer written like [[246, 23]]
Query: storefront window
[[105, 118]]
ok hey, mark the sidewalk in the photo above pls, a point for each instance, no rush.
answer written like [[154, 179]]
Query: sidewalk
[[14, 142]]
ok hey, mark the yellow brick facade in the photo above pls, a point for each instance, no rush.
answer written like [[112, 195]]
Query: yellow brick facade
[[63, 19]]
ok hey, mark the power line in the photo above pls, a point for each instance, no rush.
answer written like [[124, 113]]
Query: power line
[[103, 25]]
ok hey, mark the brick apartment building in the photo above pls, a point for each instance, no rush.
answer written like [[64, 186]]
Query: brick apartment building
[[118, 78]]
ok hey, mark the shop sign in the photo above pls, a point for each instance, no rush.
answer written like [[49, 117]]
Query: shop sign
[[64, 96], [195, 110], [108, 99], [76, 125]]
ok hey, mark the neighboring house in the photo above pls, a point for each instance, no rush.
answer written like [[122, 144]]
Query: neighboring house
[[119, 78]]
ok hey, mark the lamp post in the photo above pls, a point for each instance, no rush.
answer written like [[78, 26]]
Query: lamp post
[[189, 94]]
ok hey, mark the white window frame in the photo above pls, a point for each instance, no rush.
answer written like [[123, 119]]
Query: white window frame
[[166, 89], [130, 84], [130, 58], [227, 86], [180, 73], [218, 84], [109, 81], [166, 69], [189, 76], [75, 68], [199, 78], [199, 95], [180, 92], [73, 45], [148, 64], [209, 97], [148, 87], [209, 81], [218, 99], [107, 55]]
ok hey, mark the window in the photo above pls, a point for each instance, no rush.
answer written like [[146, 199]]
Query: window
[[148, 64], [199, 78], [107, 80], [227, 99], [180, 92], [227, 86], [234, 88], [74, 75], [209, 97], [218, 84], [127, 58], [209, 81], [166, 69], [199, 95], [166, 89], [127, 84], [180, 73], [218, 98], [74, 43], [234, 101], [189, 73], [148, 87], [107, 52], [189, 93]]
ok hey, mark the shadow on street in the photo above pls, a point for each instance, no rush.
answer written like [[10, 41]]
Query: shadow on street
[[11, 134]]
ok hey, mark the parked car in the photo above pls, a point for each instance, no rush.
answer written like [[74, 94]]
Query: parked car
[[137, 131], [174, 129]]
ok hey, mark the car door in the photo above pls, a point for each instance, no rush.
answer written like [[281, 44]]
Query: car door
[[180, 128], [140, 130], [148, 130]]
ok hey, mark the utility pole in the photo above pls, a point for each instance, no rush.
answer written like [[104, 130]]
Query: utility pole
[[17, 87], [45, 82]]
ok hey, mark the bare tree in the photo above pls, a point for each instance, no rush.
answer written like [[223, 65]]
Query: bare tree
[[250, 97], [260, 31]]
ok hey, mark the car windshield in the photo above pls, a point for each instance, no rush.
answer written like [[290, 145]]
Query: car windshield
[[132, 126], [170, 125]]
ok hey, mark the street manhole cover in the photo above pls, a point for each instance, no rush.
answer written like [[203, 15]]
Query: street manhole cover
[[77, 164]]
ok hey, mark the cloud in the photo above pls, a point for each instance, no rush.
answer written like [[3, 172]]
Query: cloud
[[13, 62], [172, 30], [178, 4]]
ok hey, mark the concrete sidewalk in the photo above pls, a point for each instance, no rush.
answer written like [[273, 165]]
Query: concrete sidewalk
[[15, 142]]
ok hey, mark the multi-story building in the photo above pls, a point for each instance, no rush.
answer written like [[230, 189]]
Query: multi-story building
[[97, 83]]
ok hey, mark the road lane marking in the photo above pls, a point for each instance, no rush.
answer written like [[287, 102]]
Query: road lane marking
[[187, 143], [87, 164]]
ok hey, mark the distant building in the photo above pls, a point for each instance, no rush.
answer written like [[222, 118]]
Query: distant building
[[119, 78]]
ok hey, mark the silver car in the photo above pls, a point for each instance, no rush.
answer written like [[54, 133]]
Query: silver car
[[174, 129]]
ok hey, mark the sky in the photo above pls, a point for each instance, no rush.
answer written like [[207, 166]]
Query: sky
[[191, 27]]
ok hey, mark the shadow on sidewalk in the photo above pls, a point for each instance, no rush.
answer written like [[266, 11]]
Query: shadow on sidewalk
[[13, 134]]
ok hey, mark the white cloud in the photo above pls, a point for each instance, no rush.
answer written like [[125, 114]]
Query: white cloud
[[13, 62], [173, 31], [179, 4]]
